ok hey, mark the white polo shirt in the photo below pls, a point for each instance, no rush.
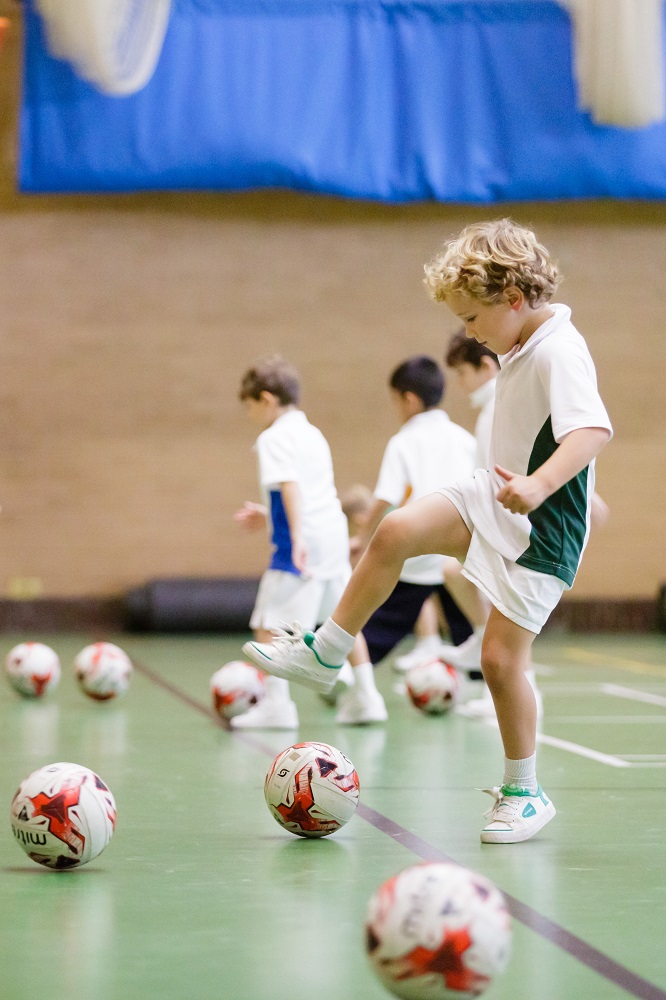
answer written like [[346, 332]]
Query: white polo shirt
[[483, 400], [292, 450], [428, 452], [545, 390]]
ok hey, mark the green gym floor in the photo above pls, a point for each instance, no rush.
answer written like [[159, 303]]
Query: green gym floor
[[202, 896]]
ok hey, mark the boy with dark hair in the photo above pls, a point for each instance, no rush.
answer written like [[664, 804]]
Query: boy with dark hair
[[428, 451]]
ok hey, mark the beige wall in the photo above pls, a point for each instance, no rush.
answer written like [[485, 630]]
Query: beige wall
[[127, 322]]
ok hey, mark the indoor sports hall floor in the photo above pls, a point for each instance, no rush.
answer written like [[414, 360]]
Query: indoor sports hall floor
[[202, 896]]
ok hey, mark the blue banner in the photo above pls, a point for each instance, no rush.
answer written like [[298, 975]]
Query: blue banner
[[453, 100]]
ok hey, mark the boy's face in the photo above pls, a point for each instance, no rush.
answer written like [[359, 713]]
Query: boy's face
[[498, 325], [470, 378], [406, 404], [262, 412]]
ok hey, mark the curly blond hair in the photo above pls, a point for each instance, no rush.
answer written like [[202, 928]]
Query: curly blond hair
[[489, 257]]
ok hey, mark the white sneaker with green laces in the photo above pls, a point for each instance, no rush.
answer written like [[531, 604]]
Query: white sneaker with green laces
[[516, 814], [292, 657]]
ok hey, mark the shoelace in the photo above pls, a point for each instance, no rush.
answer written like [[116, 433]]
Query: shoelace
[[287, 635], [503, 810]]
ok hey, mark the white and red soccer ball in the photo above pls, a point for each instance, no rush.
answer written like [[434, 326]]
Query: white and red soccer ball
[[437, 931], [63, 815], [33, 669], [432, 686], [312, 789], [235, 688], [103, 671]]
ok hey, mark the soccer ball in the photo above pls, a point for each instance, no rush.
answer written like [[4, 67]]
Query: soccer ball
[[432, 686], [437, 931], [33, 669], [235, 687], [103, 671], [312, 789], [63, 815]]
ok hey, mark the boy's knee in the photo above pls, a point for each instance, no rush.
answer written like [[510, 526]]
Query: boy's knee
[[391, 534], [496, 662]]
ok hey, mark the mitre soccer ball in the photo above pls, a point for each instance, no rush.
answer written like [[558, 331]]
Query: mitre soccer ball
[[235, 687], [312, 789], [32, 669], [437, 932], [432, 686], [103, 671], [63, 815]]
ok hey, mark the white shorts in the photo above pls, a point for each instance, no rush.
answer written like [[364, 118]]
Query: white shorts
[[284, 598], [523, 595]]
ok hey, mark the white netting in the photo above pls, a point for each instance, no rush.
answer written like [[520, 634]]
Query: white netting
[[115, 44], [619, 61]]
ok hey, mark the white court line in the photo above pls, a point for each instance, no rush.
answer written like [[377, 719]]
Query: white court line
[[571, 687], [614, 720], [575, 748], [581, 751], [645, 756], [648, 763], [618, 691]]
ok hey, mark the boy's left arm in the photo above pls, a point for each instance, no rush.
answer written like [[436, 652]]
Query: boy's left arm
[[523, 494]]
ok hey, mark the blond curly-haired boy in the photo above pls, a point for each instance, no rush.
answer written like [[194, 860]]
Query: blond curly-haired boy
[[520, 526]]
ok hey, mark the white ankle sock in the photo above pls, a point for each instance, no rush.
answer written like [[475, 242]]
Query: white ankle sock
[[521, 772], [364, 678], [332, 644], [276, 690]]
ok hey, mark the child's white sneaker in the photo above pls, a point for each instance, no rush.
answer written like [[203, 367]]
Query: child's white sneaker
[[343, 682], [268, 714], [478, 708], [360, 708], [466, 656], [516, 814], [424, 650], [292, 657]]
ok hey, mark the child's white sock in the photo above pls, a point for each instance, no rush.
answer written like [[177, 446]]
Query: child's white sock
[[521, 773], [276, 690], [364, 678], [332, 644]]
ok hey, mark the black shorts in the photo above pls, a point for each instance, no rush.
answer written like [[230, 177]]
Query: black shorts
[[397, 616]]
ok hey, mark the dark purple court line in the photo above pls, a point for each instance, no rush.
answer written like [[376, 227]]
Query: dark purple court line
[[574, 946], [537, 922]]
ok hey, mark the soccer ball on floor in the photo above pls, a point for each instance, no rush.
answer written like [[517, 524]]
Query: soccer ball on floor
[[33, 669], [103, 671], [437, 932], [312, 789], [432, 686], [235, 688], [63, 815]]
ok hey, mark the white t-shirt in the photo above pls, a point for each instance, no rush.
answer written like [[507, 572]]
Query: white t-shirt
[[428, 452], [483, 400], [293, 450], [545, 390]]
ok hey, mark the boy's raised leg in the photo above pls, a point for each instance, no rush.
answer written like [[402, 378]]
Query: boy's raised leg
[[431, 524]]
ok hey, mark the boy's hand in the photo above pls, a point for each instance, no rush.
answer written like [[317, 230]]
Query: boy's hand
[[520, 494], [299, 556], [251, 516]]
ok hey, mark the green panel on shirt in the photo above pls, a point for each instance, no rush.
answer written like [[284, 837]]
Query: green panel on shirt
[[560, 523]]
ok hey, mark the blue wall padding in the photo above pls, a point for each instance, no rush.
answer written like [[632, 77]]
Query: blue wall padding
[[454, 100]]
